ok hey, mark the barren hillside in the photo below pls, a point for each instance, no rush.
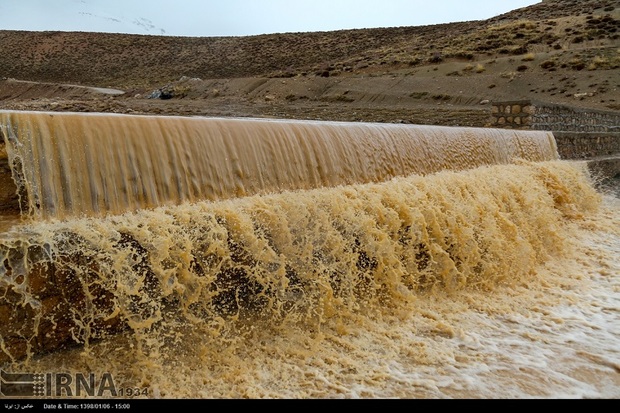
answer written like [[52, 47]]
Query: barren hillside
[[557, 51]]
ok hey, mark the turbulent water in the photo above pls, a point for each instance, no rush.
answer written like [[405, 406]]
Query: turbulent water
[[72, 164], [497, 281]]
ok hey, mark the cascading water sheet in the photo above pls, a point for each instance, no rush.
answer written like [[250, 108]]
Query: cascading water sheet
[[245, 258], [93, 164]]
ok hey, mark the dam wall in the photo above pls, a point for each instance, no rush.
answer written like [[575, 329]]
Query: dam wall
[[580, 133], [130, 218]]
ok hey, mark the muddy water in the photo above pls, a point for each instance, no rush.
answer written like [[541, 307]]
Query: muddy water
[[71, 164], [6, 222], [498, 281], [229, 258]]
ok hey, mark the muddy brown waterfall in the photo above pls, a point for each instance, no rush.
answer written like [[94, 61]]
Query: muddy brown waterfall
[[71, 164], [241, 258]]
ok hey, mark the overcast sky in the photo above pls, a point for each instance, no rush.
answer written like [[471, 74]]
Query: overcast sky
[[240, 17]]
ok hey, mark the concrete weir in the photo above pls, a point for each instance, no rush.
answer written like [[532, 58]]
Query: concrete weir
[[85, 262]]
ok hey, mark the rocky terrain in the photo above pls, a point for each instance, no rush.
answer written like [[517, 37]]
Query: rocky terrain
[[563, 52]]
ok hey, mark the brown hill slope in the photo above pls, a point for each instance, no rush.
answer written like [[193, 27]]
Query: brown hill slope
[[559, 51]]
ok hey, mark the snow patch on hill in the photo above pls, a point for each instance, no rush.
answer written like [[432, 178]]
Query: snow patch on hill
[[74, 16]]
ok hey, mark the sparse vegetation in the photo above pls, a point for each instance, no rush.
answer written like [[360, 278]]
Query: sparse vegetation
[[441, 96], [508, 75], [128, 60], [531, 48], [338, 98], [529, 57]]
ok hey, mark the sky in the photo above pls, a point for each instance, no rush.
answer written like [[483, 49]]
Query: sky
[[198, 18]]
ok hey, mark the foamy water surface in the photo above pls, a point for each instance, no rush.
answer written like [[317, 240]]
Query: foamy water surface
[[548, 329]]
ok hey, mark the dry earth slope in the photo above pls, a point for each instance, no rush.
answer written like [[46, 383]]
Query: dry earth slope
[[565, 52]]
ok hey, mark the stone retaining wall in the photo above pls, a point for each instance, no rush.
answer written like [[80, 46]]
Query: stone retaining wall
[[527, 114], [580, 133], [587, 145]]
